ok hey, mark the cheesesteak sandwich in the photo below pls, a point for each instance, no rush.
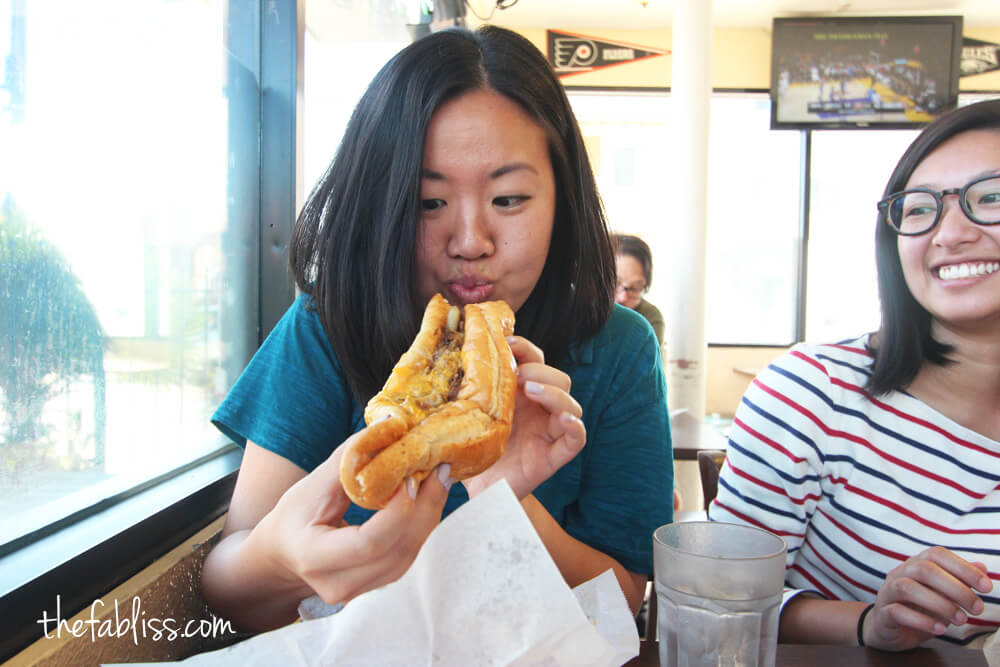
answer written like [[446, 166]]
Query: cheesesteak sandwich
[[449, 399]]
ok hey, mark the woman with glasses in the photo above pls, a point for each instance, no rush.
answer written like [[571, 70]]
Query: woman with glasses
[[634, 263], [878, 459]]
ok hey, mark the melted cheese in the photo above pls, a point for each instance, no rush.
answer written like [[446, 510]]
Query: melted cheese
[[430, 388]]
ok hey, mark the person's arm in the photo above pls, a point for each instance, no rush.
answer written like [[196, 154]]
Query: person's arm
[[918, 600], [548, 433], [923, 596], [285, 539], [232, 581], [578, 562], [810, 619]]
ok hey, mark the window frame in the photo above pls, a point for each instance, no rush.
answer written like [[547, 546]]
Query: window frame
[[82, 557]]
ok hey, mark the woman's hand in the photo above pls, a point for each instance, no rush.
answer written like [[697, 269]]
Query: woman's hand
[[921, 597], [547, 432], [308, 542]]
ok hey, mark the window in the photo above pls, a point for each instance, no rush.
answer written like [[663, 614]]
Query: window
[[129, 227], [113, 250], [753, 244], [849, 171], [753, 203], [137, 275], [334, 37]]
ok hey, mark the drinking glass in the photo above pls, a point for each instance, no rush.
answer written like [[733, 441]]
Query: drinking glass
[[718, 590]]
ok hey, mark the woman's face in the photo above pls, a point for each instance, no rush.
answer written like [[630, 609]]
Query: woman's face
[[488, 197], [956, 246], [631, 281]]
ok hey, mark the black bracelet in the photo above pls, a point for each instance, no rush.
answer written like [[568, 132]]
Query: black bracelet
[[861, 624]]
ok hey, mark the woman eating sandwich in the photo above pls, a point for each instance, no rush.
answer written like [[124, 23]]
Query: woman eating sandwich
[[462, 172]]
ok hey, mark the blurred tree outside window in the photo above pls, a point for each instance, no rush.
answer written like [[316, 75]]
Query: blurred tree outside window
[[50, 339], [118, 267]]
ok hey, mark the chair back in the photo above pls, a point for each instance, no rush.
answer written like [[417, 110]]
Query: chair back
[[709, 463]]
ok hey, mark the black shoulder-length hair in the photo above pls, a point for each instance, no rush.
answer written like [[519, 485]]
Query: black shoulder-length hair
[[354, 245], [904, 341]]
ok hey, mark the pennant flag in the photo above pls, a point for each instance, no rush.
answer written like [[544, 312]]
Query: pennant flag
[[979, 57], [573, 54]]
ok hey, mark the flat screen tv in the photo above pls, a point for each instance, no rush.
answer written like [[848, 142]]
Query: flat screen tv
[[886, 72]]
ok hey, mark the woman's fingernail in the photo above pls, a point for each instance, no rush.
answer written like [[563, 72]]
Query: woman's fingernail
[[985, 585], [533, 388], [959, 618], [444, 475], [978, 607], [939, 628], [511, 339], [570, 418], [411, 487]]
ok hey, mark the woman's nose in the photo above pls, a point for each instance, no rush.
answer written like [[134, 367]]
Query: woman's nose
[[471, 237], [954, 228]]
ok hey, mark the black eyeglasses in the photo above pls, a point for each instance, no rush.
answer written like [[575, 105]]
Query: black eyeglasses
[[917, 211], [631, 290]]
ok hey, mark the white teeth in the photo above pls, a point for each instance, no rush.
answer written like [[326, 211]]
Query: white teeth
[[967, 270]]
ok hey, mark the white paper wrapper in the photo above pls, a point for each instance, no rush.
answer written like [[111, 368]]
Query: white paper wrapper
[[482, 591]]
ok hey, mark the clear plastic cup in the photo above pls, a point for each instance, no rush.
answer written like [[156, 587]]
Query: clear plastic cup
[[718, 592]]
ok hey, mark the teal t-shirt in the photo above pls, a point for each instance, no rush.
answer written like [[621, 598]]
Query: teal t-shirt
[[293, 399]]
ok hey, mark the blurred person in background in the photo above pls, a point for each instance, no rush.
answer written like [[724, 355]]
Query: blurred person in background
[[634, 262]]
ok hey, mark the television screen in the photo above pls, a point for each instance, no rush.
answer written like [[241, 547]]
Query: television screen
[[882, 72]]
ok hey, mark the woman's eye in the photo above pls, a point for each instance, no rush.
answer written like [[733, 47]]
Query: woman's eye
[[431, 204], [510, 201], [919, 211]]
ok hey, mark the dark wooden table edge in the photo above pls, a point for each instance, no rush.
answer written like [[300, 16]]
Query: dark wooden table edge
[[817, 655]]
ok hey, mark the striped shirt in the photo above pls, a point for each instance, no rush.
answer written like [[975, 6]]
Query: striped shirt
[[856, 485]]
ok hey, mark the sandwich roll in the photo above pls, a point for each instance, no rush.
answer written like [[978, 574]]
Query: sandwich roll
[[449, 399]]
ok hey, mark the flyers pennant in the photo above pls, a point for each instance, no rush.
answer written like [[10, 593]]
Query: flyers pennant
[[572, 54], [978, 56]]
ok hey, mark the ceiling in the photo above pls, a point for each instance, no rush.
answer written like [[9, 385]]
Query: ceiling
[[653, 14]]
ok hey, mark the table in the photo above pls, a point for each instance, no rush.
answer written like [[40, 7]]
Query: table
[[690, 435], [823, 655]]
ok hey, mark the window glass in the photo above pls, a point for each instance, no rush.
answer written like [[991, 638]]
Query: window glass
[[116, 325], [344, 48], [753, 243], [626, 136], [849, 172], [752, 204]]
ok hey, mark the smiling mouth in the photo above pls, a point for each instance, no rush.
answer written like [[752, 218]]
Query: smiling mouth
[[966, 270]]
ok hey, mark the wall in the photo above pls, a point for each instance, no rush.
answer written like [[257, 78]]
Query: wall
[[741, 58], [730, 370]]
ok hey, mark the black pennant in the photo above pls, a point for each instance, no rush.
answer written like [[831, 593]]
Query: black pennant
[[573, 54], [979, 57]]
